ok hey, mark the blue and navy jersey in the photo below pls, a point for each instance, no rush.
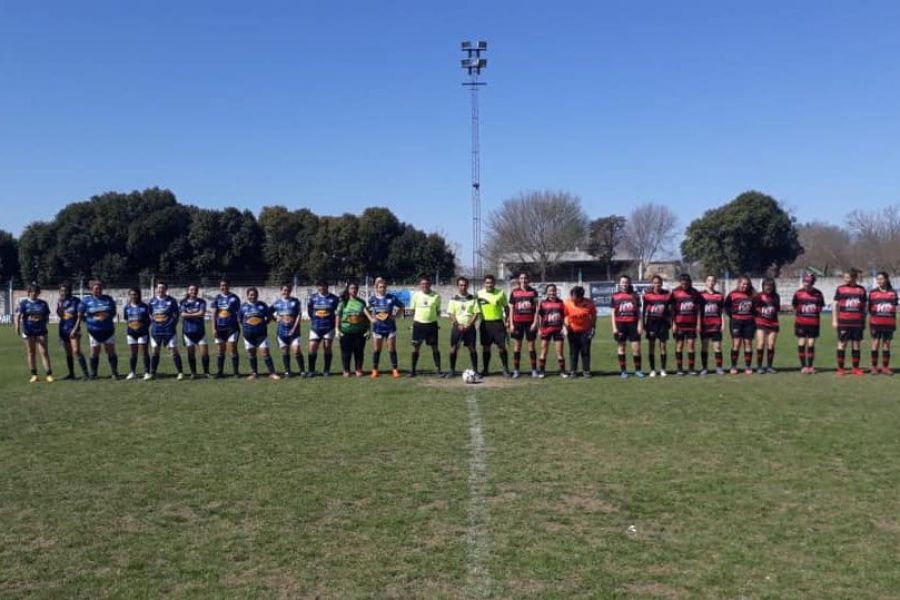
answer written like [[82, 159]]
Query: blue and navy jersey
[[225, 311], [286, 311], [137, 319], [99, 313], [254, 318], [35, 316], [193, 325], [382, 308], [321, 309], [67, 311], [164, 312]]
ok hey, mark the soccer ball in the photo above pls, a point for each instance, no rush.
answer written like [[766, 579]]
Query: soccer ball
[[469, 376]]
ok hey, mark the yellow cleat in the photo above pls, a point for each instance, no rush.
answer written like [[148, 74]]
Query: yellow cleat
[[34, 379], [49, 378]]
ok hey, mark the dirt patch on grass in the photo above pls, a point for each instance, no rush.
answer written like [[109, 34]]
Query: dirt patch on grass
[[654, 590], [887, 526], [583, 502]]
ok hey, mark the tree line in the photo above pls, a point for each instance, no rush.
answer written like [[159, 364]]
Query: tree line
[[122, 237]]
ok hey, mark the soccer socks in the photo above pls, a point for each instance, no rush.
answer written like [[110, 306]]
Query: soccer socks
[[874, 359], [393, 357], [114, 364], [328, 356], [854, 358], [517, 360], [734, 358], [436, 355], [810, 356], [220, 363], [486, 358], [770, 357], [83, 364], [453, 361], [621, 358], [414, 360], [637, 361], [270, 364], [473, 356], [204, 361], [132, 363], [885, 358], [801, 355], [692, 360], [313, 358], [95, 364], [179, 367], [704, 359], [561, 363], [719, 360], [286, 361], [70, 364], [759, 357], [748, 359], [192, 363], [376, 358], [662, 359], [841, 356], [235, 363], [679, 361], [532, 357], [652, 357], [254, 364], [504, 359]]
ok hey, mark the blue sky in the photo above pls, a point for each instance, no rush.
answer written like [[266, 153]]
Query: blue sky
[[342, 105]]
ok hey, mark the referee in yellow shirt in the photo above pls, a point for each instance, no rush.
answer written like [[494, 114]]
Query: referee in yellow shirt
[[426, 307], [492, 330]]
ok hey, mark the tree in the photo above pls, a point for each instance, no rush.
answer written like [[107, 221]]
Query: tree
[[750, 234], [877, 236], [536, 228], [288, 241], [604, 236], [9, 256], [825, 247], [37, 253], [649, 231]]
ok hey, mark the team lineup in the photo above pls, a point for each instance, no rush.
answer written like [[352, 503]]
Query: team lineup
[[487, 318]]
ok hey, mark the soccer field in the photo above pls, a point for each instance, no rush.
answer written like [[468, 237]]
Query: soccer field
[[738, 486]]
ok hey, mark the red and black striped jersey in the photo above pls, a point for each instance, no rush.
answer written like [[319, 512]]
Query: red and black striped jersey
[[808, 305], [657, 305], [739, 305], [686, 308], [524, 304], [850, 305], [626, 307], [883, 308], [551, 312], [765, 309], [713, 303]]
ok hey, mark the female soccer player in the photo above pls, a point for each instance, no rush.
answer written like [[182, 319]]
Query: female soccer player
[[711, 325], [254, 317], [382, 314], [286, 311], [322, 307], [225, 309], [31, 324], [849, 319], [739, 306], [136, 315], [351, 324], [70, 330], [98, 312], [580, 321], [193, 329], [551, 315], [523, 323], [882, 321], [626, 325], [426, 307], [687, 306], [657, 317], [464, 311], [164, 313], [766, 306], [808, 303]]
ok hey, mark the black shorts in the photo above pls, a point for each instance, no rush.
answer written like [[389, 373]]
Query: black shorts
[[492, 332], [806, 331], [768, 328], [627, 332], [523, 330], [850, 334], [466, 338], [680, 336], [553, 336], [713, 336], [425, 332], [882, 333], [743, 330], [656, 329], [162, 341]]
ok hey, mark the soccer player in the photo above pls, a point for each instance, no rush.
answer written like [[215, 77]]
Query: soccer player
[[464, 311], [687, 306], [626, 325], [808, 303], [193, 328], [739, 307], [766, 306], [98, 312], [254, 317], [426, 307], [552, 314], [523, 323], [711, 325], [882, 321], [286, 311], [382, 313], [225, 309], [492, 330], [657, 319], [136, 315], [849, 319], [352, 325], [164, 328], [322, 308], [580, 319], [31, 324], [70, 330]]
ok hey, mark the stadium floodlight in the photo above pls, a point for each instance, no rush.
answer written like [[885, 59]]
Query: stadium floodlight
[[465, 45], [482, 45], [473, 63]]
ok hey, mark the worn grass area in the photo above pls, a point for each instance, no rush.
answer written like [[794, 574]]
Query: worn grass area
[[763, 486]]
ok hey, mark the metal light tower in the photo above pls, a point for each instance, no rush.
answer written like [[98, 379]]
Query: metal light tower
[[473, 64]]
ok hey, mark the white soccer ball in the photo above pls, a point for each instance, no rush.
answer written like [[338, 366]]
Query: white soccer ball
[[469, 376]]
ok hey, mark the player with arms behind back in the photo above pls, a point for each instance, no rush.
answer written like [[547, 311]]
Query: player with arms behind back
[[136, 315], [98, 312], [382, 313], [254, 316], [286, 312], [711, 325], [580, 321], [849, 319], [626, 325], [165, 314], [225, 309], [687, 306], [808, 303], [523, 323], [70, 330], [322, 308], [551, 313], [31, 323], [193, 329], [739, 306], [657, 319], [882, 321], [766, 306]]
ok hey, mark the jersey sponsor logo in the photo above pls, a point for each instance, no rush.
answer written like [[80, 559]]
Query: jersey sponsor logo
[[626, 307], [852, 304], [322, 312], [354, 319], [744, 307], [382, 316], [883, 308], [687, 307], [767, 312], [287, 319], [161, 317], [254, 320], [656, 309], [809, 309], [224, 313], [711, 310], [134, 325]]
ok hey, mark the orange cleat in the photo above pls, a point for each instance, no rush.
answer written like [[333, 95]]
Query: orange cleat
[[858, 372]]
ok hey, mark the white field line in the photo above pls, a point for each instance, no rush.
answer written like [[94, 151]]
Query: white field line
[[478, 536]]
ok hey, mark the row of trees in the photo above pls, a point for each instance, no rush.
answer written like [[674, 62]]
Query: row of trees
[[118, 237]]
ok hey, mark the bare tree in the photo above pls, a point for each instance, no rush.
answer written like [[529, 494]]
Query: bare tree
[[876, 233], [649, 231], [536, 228], [825, 247]]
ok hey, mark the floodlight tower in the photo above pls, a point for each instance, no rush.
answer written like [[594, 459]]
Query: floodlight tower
[[474, 64]]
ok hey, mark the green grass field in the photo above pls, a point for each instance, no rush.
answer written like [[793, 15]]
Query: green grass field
[[779, 486]]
